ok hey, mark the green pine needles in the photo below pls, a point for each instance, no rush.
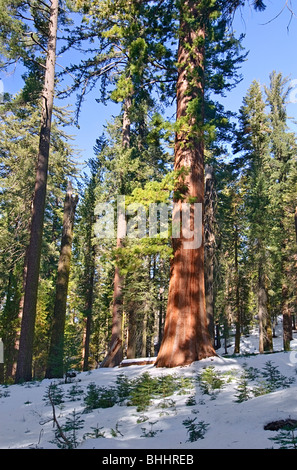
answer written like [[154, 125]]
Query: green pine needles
[[286, 438], [254, 382], [137, 392], [195, 430]]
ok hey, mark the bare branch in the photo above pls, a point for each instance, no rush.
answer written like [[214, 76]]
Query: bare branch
[[62, 435], [38, 43]]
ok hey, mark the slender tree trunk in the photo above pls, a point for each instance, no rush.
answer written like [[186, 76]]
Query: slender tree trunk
[[265, 333], [89, 268], [227, 308], [295, 219], [144, 338], [117, 313], [25, 355], [89, 308], [293, 322], [209, 247], [237, 300], [132, 332], [114, 358], [55, 366], [217, 333], [287, 322], [160, 320], [186, 337], [9, 337]]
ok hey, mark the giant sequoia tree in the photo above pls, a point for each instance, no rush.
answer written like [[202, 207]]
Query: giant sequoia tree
[[186, 336]]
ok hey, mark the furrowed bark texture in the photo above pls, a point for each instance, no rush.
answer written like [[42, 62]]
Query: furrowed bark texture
[[186, 337], [25, 355]]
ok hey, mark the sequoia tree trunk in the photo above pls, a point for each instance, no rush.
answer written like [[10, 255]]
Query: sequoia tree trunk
[[186, 337], [55, 366], [25, 354]]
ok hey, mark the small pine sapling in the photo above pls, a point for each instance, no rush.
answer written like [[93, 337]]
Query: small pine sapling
[[195, 430], [123, 388], [96, 433], [66, 435], [74, 393], [243, 391], [54, 395], [150, 432], [209, 381], [286, 438], [116, 432], [274, 378]]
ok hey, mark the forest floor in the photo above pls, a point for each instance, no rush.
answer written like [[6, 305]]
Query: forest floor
[[219, 403]]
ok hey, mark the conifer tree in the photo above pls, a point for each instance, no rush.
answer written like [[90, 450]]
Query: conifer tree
[[282, 200], [253, 139], [86, 244], [19, 130], [186, 337], [55, 366], [24, 366]]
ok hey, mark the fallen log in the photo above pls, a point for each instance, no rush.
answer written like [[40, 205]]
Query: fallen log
[[138, 361]]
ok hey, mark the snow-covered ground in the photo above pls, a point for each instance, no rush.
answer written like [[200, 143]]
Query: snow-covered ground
[[26, 416]]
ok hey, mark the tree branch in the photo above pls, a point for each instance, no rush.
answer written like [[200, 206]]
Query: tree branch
[[62, 435]]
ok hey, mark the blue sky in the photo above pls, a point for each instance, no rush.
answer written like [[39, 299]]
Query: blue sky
[[271, 46], [271, 43]]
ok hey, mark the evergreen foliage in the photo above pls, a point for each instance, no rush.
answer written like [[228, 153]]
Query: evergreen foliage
[[286, 438], [128, 52], [195, 430]]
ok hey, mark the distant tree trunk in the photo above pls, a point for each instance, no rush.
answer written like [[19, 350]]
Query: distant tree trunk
[[117, 313], [265, 332], [295, 218], [89, 308], [237, 300], [89, 263], [186, 337], [12, 371], [287, 322], [117, 306], [132, 332], [217, 333], [143, 351], [55, 366], [9, 312], [160, 320], [25, 355], [293, 322], [209, 245]]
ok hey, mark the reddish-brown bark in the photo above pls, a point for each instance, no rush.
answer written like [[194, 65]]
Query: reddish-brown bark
[[186, 337]]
